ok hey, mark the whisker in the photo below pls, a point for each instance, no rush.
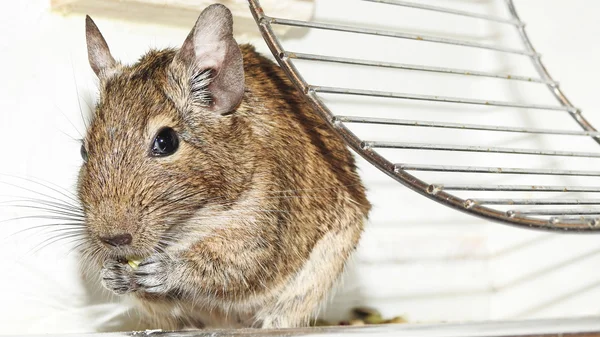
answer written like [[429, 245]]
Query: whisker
[[313, 189], [78, 241], [174, 202], [49, 210], [68, 119], [171, 190], [83, 119], [238, 212], [65, 225], [77, 140], [55, 239], [54, 204], [64, 230], [45, 217], [282, 197], [84, 241], [272, 195], [49, 185], [39, 193]]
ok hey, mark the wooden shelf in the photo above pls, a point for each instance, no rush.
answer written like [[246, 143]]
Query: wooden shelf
[[183, 13]]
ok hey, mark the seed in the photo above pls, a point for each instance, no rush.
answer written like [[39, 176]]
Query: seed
[[374, 319], [134, 263], [356, 322]]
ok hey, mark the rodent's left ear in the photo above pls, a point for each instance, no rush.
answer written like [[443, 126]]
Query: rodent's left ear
[[99, 55], [213, 61]]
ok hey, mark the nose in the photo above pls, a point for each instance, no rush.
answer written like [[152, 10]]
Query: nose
[[117, 240]]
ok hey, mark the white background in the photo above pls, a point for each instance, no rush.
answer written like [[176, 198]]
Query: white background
[[417, 258]]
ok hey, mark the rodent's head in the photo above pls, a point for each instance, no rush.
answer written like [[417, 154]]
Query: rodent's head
[[165, 138]]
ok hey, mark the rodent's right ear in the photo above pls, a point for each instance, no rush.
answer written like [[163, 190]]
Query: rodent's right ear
[[98, 53], [210, 62]]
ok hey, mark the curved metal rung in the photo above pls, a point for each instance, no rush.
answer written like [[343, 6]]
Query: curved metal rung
[[499, 201], [432, 98], [592, 221], [476, 127], [394, 34], [590, 211], [485, 149], [561, 220], [415, 67], [495, 170], [450, 11], [436, 188]]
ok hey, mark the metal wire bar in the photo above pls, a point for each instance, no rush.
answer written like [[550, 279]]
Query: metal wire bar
[[570, 211], [432, 98], [511, 188], [404, 66], [498, 170], [575, 220], [394, 34], [469, 148], [479, 127], [508, 201], [449, 11]]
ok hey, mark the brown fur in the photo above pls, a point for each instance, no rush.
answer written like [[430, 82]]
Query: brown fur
[[236, 212]]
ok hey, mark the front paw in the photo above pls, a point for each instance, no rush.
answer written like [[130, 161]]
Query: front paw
[[117, 277], [156, 274]]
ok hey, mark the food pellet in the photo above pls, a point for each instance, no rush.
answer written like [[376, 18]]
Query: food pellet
[[363, 316], [134, 263]]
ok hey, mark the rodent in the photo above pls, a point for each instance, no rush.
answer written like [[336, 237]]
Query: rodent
[[206, 164]]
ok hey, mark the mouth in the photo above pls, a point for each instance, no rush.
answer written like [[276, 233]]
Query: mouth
[[124, 255], [134, 256]]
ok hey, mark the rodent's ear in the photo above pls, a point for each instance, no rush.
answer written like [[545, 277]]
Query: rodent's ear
[[98, 53], [210, 50]]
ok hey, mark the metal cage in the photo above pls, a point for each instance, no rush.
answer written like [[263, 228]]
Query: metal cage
[[561, 212]]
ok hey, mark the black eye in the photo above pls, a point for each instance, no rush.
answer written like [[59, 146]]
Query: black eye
[[84, 154], [165, 143]]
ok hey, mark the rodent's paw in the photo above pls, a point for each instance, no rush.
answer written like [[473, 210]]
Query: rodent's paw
[[117, 277], [154, 274]]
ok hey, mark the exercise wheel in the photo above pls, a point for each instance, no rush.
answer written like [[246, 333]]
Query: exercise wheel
[[559, 206]]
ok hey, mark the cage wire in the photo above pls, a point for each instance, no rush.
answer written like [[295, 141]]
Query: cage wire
[[435, 117]]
